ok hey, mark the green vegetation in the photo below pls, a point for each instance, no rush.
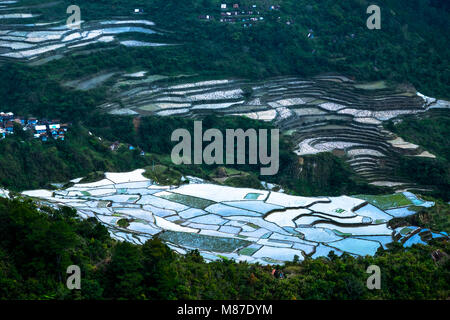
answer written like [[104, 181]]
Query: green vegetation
[[37, 246], [321, 174], [434, 218], [247, 251], [163, 175], [244, 181], [93, 177], [388, 201], [394, 53], [30, 163], [123, 223], [189, 201], [412, 34], [433, 173], [33, 164], [431, 132], [316, 175]]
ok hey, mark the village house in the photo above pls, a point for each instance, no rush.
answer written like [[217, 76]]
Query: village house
[[60, 134], [9, 127], [6, 116], [114, 146], [40, 130]]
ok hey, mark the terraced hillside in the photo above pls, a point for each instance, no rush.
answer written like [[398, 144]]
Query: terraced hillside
[[29, 37], [240, 223], [323, 114]]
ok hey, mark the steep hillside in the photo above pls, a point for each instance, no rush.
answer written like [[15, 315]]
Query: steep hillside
[[409, 47], [321, 114]]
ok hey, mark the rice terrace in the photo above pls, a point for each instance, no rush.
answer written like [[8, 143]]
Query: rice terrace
[[243, 224]]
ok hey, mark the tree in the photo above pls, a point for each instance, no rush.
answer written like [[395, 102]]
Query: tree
[[124, 273], [160, 278]]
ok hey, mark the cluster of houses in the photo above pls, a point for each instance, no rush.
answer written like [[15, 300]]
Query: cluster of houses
[[6, 124], [42, 129], [235, 13]]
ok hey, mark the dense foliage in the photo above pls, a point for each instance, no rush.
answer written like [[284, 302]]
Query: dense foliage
[[38, 244]]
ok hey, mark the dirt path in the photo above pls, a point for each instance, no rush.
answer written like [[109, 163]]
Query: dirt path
[[136, 123]]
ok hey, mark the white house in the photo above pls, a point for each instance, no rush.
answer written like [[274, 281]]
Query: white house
[[40, 129], [54, 126], [223, 6]]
